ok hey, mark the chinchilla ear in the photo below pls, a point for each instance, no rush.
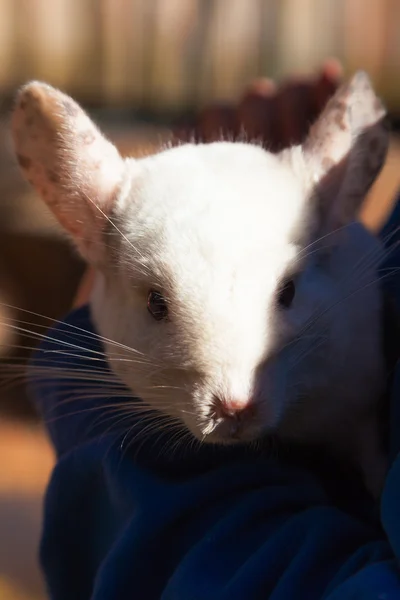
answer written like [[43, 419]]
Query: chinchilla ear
[[344, 152], [75, 169]]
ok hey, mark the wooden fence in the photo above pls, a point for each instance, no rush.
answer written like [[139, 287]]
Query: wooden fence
[[175, 54]]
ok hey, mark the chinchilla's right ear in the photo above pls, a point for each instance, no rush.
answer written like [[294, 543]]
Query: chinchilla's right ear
[[75, 169], [344, 152]]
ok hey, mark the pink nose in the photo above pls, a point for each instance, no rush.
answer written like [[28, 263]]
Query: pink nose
[[236, 408]]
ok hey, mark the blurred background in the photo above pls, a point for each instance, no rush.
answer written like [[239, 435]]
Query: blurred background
[[138, 66]]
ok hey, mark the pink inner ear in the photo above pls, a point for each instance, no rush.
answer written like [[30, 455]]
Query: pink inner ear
[[61, 152]]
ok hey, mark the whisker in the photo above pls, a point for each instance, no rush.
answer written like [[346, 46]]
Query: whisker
[[73, 328]]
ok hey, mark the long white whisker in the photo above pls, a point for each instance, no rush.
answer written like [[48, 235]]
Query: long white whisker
[[72, 327]]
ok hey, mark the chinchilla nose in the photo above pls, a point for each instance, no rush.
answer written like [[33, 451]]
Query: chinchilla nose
[[233, 407]]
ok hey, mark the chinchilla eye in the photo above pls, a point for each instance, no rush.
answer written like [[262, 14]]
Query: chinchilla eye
[[157, 306], [286, 294]]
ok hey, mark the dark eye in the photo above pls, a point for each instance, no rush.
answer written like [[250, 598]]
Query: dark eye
[[287, 293], [157, 306]]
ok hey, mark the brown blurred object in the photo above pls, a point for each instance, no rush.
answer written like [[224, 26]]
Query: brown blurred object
[[385, 190], [26, 460]]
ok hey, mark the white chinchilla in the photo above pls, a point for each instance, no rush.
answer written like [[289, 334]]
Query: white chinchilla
[[237, 281]]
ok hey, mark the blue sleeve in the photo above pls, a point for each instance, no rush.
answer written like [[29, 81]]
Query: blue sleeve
[[126, 518]]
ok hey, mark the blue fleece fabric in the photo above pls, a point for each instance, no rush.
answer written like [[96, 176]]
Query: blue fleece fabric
[[137, 517]]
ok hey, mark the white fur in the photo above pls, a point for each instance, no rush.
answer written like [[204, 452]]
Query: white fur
[[214, 228]]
